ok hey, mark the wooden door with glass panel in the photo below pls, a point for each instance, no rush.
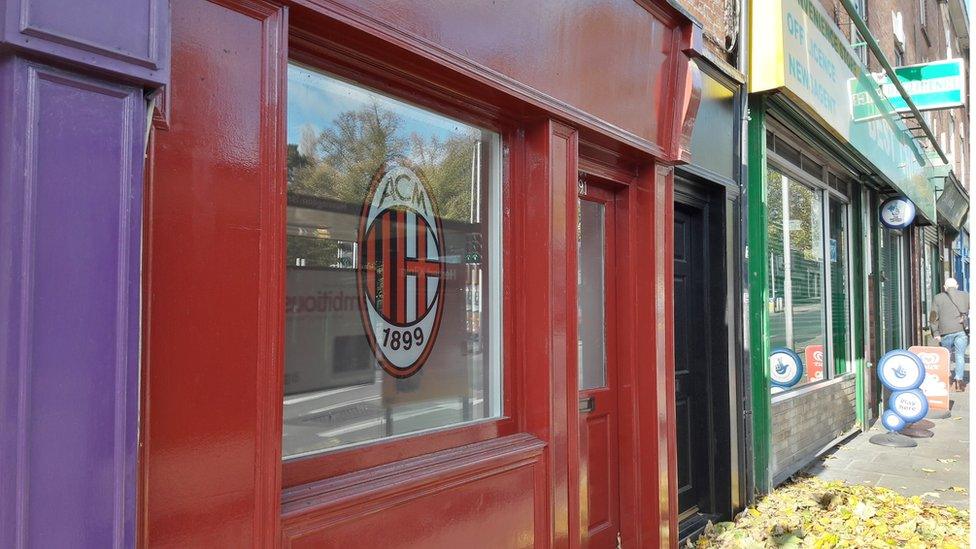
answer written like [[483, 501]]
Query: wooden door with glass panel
[[599, 471]]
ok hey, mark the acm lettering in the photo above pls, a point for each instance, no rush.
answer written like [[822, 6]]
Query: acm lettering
[[414, 195]]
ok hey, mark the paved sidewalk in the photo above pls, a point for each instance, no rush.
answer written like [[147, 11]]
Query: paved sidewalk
[[909, 471]]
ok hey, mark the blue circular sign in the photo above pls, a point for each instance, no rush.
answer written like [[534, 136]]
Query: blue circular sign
[[785, 367], [909, 405], [901, 370], [897, 212], [892, 421]]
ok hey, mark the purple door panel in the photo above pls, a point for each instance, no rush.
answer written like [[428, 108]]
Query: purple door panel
[[70, 221]]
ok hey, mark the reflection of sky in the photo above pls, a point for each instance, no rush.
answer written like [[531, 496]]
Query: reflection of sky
[[315, 100]]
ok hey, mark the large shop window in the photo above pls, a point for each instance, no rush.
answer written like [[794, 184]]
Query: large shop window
[[797, 308], [838, 247], [393, 309], [809, 294]]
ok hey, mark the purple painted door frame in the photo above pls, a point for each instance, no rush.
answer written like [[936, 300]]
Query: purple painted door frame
[[73, 76]]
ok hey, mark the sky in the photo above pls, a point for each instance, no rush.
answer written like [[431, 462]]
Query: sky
[[315, 99]]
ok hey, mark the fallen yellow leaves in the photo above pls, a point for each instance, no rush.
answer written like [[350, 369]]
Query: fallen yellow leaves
[[810, 512]]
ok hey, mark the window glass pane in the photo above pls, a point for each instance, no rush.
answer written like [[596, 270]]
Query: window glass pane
[[838, 245], [806, 271], [788, 152], [392, 313], [812, 166], [590, 284], [890, 289], [840, 185], [777, 262], [926, 277], [797, 309]]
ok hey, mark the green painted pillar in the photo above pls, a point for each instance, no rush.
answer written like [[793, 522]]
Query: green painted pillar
[[874, 227], [758, 249]]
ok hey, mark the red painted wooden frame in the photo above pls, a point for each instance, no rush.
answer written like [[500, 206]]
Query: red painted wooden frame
[[211, 463], [604, 191], [645, 366], [213, 287]]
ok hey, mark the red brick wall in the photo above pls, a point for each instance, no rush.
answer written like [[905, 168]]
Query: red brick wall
[[719, 21]]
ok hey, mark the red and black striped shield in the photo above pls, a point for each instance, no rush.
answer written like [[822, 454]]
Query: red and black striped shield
[[401, 273]]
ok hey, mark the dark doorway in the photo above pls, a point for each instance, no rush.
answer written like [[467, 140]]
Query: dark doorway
[[701, 358]]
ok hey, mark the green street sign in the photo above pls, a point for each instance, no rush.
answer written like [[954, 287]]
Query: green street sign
[[932, 86]]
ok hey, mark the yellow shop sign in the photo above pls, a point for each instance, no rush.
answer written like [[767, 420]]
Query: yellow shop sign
[[797, 50]]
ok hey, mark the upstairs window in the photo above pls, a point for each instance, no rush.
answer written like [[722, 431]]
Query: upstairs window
[[858, 43], [898, 32]]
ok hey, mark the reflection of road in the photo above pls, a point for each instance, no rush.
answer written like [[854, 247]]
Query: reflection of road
[[807, 327], [326, 419]]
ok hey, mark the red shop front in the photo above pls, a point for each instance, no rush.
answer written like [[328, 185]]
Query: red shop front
[[408, 274]]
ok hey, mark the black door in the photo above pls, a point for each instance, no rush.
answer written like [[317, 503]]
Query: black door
[[692, 363]]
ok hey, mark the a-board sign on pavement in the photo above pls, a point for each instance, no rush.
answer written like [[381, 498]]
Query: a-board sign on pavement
[[936, 384]]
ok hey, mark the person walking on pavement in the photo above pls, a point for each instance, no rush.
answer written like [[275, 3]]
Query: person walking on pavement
[[950, 326]]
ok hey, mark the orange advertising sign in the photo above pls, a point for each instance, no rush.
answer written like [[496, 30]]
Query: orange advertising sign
[[815, 362], [936, 384]]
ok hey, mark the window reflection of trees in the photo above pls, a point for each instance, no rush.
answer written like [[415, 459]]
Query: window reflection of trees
[[341, 135], [340, 162], [796, 302]]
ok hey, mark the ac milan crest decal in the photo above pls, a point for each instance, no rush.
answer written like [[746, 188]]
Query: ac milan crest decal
[[401, 274]]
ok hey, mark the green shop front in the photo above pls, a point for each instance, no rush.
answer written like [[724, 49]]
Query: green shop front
[[830, 290]]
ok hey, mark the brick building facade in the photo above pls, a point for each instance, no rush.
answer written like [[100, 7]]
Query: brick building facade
[[919, 31], [720, 25], [911, 32]]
